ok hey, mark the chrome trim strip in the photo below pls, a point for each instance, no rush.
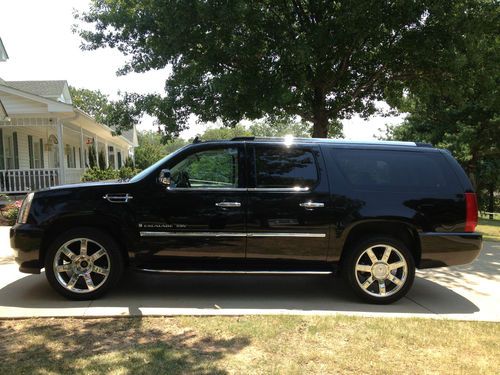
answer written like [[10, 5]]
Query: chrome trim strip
[[287, 190], [192, 234], [238, 272], [229, 234], [206, 189], [272, 234]]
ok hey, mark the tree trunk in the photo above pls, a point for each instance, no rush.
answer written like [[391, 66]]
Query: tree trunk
[[320, 115], [491, 201]]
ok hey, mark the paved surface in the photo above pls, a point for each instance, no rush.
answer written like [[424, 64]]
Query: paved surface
[[470, 292]]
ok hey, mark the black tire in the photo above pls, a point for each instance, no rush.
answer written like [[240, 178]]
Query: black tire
[[382, 290], [109, 265]]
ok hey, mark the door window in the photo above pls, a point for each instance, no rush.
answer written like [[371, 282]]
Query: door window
[[284, 168], [207, 169]]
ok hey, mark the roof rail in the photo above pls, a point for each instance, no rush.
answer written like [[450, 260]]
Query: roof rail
[[329, 140]]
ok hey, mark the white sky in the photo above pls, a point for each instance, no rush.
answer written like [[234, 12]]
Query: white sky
[[37, 36]]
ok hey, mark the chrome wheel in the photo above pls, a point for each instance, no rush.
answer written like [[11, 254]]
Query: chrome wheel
[[81, 265], [381, 270]]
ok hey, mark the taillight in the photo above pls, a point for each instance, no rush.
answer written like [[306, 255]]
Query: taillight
[[470, 212]]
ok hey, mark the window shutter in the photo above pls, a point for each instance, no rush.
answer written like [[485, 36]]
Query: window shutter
[[2, 157], [16, 150], [42, 162], [119, 159], [30, 151]]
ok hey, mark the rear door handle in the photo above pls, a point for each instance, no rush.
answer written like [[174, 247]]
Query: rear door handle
[[228, 204], [312, 205]]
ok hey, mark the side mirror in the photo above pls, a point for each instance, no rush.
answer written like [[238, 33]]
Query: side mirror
[[165, 177]]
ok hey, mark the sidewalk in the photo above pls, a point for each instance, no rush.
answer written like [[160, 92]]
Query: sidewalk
[[470, 292]]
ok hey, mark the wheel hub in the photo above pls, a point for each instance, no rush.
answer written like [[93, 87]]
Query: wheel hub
[[83, 264], [380, 270]]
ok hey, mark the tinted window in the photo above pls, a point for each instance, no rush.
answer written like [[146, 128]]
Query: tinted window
[[394, 170], [212, 168], [284, 168]]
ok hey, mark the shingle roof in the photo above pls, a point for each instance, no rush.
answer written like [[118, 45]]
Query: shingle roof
[[130, 135], [48, 89]]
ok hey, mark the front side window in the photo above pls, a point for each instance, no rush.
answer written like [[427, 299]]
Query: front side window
[[207, 169], [284, 168]]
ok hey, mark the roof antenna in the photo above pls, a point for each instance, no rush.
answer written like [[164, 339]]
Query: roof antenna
[[196, 140]]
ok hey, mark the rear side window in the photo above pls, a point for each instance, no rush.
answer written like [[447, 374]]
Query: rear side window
[[395, 170], [277, 167]]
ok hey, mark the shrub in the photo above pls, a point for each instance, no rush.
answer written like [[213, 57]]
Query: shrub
[[11, 209], [97, 174]]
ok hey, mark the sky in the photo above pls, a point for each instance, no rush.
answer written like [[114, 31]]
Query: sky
[[41, 46]]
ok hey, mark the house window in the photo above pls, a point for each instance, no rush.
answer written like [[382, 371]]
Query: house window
[[35, 150], [111, 157], [71, 156], [11, 151]]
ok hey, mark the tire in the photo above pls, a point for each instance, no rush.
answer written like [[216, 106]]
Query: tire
[[376, 279], [83, 263]]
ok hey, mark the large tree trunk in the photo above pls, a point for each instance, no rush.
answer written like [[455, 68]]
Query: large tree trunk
[[320, 115]]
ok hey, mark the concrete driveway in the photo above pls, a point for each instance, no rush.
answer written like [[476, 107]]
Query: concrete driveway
[[470, 292]]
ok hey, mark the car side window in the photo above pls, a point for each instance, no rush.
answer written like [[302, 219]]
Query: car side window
[[216, 168], [277, 167]]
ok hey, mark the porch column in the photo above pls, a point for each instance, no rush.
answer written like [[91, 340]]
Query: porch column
[[82, 150], [60, 134], [106, 153]]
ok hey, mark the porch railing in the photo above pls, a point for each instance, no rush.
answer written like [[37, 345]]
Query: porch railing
[[25, 180]]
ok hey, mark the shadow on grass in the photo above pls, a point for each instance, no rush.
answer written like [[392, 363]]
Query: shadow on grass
[[123, 345]]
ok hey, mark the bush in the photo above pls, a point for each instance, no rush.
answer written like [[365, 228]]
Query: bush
[[97, 174], [11, 209]]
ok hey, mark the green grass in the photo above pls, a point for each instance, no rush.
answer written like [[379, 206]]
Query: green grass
[[248, 345], [490, 229]]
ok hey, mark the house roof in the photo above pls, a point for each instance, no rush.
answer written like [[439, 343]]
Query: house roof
[[3, 53], [131, 135], [42, 88]]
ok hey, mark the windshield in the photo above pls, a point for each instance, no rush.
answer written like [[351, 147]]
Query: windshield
[[156, 165]]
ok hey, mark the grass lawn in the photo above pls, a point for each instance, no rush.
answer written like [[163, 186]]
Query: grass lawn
[[249, 345], [490, 229]]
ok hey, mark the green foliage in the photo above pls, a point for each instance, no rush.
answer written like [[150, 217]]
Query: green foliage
[[225, 133], [119, 115], [10, 211], [102, 160], [97, 174], [321, 60], [460, 111], [129, 163], [92, 157], [151, 148]]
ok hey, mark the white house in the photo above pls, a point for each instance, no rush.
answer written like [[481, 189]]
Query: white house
[[45, 140]]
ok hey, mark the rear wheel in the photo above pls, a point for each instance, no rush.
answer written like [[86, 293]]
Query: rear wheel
[[83, 263], [380, 270]]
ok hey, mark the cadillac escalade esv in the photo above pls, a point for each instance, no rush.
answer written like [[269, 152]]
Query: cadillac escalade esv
[[374, 212]]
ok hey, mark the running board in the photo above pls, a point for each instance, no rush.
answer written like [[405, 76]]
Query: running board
[[237, 272]]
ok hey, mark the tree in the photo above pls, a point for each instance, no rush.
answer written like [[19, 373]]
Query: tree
[[102, 160], [151, 148], [119, 115], [461, 111], [321, 60], [92, 157]]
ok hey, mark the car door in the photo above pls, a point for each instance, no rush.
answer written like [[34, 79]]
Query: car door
[[201, 215], [288, 203]]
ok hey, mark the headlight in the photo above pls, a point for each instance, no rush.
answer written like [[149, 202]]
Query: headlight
[[22, 217]]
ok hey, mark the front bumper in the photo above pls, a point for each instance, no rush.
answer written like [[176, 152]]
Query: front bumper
[[26, 240], [449, 249]]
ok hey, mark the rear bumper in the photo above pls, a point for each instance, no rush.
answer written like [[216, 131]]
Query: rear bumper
[[25, 240], [449, 249]]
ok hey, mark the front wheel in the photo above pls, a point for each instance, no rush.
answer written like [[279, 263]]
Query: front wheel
[[380, 270], [83, 263]]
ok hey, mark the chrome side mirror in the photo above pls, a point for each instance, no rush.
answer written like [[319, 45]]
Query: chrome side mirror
[[165, 177]]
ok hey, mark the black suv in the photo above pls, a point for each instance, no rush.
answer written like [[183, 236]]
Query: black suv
[[372, 211]]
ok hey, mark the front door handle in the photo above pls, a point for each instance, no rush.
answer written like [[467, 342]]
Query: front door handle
[[228, 204], [312, 205]]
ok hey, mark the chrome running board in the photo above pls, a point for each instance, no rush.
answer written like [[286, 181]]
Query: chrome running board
[[237, 272]]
